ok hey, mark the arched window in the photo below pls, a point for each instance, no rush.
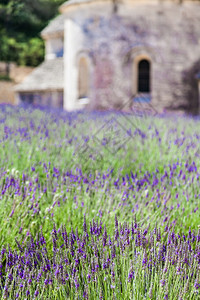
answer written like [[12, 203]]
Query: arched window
[[144, 76], [83, 76]]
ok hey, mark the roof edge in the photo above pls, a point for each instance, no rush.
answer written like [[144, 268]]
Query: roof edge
[[54, 34], [18, 90], [73, 3], [29, 84]]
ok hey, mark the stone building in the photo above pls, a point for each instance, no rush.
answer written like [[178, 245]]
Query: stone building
[[198, 79], [111, 54]]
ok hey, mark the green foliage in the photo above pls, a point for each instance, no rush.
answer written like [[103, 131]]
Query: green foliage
[[32, 52], [5, 78], [20, 25]]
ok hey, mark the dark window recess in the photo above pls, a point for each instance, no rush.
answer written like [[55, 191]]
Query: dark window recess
[[28, 98], [144, 76], [59, 53]]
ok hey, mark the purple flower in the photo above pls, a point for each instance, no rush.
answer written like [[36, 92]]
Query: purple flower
[[12, 213], [162, 282], [89, 277], [130, 276], [197, 285]]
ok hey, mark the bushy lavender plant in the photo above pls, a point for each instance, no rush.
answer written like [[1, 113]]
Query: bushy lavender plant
[[126, 228]]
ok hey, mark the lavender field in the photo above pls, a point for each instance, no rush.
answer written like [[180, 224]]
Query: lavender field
[[81, 221]]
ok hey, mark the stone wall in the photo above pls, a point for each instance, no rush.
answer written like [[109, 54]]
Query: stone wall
[[7, 92], [54, 47], [16, 74], [42, 98], [167, 33]]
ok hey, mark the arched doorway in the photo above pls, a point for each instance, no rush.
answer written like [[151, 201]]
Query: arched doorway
[[144, 76]]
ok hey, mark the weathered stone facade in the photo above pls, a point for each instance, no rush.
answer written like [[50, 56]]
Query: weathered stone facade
[[106, 42]]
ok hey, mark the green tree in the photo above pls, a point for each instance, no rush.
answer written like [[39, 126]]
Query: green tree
[[20, 25]]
